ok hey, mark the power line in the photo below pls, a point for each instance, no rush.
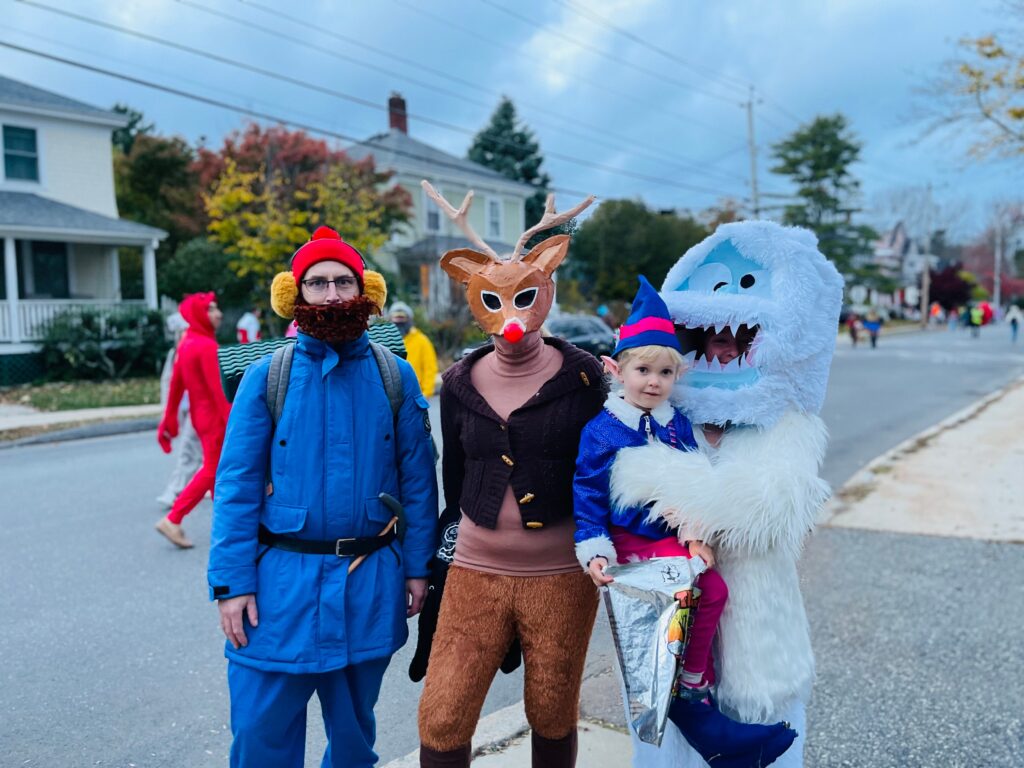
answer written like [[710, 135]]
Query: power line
[[445, 21], [727, 80], [611, 56], [690, 164], [301, 83], [322, 131]]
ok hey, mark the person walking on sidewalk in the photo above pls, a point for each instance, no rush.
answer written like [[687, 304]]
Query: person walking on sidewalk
[[196, 372], [647, 362], [324, 521], [873, 325], [247, 329], [419, 351]]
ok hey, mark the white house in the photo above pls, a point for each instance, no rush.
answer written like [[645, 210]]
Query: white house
[[58, 214], [497, 214]]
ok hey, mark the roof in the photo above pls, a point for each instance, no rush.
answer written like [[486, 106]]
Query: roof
[[17, 94], [398, 150], [431, 247], [31, 216]]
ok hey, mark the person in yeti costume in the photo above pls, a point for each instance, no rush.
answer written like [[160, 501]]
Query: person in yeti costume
[[753, 489]]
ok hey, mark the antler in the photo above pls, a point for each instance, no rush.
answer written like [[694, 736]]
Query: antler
[[548, 220], [459, 217]]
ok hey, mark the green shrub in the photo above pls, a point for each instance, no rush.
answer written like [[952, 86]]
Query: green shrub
[[95, 344]]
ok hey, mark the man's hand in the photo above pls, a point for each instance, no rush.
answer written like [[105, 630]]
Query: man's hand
[[596, 570], [166, 431], [415, 594], [232, 609], [703, 551]]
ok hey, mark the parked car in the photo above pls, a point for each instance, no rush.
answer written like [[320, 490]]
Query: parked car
[[588, 332]]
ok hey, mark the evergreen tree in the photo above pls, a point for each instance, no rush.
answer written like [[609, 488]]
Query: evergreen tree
[[817, 158], [512, 150], [124, 138]]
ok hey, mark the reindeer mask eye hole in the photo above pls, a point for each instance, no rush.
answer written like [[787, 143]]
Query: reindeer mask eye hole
[[491, 300], [524, 299]]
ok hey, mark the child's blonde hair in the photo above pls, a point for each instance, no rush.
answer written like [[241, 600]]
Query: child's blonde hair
[[649, 354]]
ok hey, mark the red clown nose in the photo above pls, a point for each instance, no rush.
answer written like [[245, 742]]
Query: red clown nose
[[513, 332]]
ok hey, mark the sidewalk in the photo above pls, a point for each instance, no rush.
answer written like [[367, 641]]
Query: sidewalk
[[960, 478], [19, 423]]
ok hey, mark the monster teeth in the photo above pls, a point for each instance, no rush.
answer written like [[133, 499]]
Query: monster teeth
[[719, 327], [690, 357], [733, 366], [714, 365]]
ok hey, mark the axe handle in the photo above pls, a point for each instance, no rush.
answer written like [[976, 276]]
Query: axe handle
[[355, 563]]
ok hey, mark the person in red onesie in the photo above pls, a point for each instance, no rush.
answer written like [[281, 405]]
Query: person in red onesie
[[197, 372]]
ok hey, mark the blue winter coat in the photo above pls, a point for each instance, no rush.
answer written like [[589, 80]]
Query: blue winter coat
[[618, 425], [334, 450]]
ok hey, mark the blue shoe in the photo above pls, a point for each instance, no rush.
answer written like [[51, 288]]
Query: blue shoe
[[726, 743]]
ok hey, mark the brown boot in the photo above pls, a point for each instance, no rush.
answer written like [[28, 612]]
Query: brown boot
[[174, 533], [554, 753], [452, 758]]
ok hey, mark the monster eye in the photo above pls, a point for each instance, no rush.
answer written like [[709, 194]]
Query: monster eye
[[491, 300], [756, 283], [747, 281], [708, 278], [524, 299]]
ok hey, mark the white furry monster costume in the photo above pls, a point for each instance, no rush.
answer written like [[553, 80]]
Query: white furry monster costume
[[756, 496]]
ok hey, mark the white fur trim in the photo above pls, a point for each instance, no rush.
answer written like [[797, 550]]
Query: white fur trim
[[599, 546], [762, 492], [630, 415]]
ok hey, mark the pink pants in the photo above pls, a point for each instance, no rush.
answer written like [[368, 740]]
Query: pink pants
[[713, 593]]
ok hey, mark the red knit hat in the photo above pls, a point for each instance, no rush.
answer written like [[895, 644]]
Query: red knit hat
[[326, 245]]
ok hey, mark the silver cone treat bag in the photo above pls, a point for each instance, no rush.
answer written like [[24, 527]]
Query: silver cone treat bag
[[650, 609]]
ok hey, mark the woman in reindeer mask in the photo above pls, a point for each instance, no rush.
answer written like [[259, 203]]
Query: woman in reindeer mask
[[511, 417]]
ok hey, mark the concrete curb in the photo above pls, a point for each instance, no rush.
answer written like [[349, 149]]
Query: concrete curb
[[98, 429], [862, 483], [492, 734]]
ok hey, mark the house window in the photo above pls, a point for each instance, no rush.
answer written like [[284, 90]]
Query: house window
[[43, 271], [433, 213], [494, 218], [21, 154]]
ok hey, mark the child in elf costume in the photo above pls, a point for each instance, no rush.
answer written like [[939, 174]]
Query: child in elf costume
[[647, 362]]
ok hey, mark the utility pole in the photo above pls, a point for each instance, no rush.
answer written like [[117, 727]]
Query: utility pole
[[755, 199], [997, 286], [926, 269]]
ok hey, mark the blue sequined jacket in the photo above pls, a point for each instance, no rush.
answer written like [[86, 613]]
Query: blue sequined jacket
[[618, 425]]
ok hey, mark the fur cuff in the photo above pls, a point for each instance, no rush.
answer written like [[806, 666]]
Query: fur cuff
[[599, 546]]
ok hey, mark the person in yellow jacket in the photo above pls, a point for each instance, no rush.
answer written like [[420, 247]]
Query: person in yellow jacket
[[419, 351]]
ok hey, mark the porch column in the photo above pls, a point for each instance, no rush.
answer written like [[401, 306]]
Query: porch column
[[149, 274], [11, 281]]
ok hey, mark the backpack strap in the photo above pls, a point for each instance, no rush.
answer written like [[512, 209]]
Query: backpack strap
[[277, 380], [390, 375]]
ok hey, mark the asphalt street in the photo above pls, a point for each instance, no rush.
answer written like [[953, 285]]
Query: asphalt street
[[113, 655]]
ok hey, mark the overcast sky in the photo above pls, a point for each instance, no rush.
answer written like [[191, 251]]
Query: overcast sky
[[653, 113]]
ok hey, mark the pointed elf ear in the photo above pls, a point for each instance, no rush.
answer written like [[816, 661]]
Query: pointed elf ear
[[375, 289], [610, 365], [283, 293]]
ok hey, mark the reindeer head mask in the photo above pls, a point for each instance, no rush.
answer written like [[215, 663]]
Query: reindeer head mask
[[512, 296]]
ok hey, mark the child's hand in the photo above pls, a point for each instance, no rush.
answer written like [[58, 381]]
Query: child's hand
[[596, 570], [703, 551]]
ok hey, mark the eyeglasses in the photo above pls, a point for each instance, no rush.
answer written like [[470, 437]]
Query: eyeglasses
[[317, 286]]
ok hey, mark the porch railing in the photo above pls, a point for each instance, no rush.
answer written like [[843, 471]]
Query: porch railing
[[35, 316]]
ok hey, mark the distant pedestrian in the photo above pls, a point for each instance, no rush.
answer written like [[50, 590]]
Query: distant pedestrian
[[853, 326], [247, 328], [873, 325], [196, 372], [1014, 318], [190, 450], [419, 351], [952, 319], [976, 319]]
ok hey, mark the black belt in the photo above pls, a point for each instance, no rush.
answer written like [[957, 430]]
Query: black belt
[[363, 545]]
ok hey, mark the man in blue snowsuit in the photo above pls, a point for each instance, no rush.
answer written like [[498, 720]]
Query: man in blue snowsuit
[[314, 574]]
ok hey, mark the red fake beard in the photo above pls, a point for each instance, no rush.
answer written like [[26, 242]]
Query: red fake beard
[[335, 323]]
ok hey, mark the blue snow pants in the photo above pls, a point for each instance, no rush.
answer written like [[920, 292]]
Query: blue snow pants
[[268, 715]]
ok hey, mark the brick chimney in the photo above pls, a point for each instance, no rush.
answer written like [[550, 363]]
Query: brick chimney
[[397, 118]]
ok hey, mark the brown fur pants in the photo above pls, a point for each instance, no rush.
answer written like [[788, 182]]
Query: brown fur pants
[[480, 614]]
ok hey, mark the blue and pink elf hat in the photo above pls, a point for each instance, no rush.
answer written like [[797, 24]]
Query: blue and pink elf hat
[[649, 323]]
